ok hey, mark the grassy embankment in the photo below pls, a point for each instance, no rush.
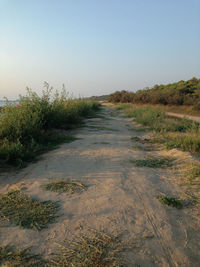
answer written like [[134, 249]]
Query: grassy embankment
[[29, 128], [174, 133]]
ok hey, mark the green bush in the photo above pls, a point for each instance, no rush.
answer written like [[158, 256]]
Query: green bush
[[25, 128], [179, 93]]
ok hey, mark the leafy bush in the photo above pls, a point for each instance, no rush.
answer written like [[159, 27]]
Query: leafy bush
[[179, 93], [24, 126]]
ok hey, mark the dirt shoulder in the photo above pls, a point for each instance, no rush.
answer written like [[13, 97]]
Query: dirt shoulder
[[189, 117], [120, 197]]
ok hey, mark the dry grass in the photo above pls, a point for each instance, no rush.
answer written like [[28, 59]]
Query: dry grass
[[61, 186], [10, 257], [98, 250], [26, 212]]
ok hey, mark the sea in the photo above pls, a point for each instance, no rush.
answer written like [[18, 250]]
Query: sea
[[3, 102]]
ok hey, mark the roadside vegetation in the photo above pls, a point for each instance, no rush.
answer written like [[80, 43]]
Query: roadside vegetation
[[173, 133], [182, 93], [11, 257], [29, 128], [20, 209], [99, 250]]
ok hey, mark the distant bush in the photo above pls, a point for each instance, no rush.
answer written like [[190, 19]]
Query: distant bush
[[180, 93], [26, 128]]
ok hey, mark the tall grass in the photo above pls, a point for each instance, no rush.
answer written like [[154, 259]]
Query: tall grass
[[27, 128], [176, 133]]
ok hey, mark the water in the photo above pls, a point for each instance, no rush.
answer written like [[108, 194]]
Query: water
[[3, 102]]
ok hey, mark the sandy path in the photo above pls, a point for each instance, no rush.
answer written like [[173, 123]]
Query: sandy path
[[120, 197], [189, 117]]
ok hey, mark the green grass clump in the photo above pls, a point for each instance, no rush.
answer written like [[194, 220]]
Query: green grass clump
[[61, 186], [26, 212], [10, 257], [187, 141], [26, 129], [170, 201], [151, 162], [99, 250]]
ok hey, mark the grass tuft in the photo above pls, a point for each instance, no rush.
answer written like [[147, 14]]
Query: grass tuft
[[194, 175], [9, 257], [61, 186], [151, 162], [26, 212], [99, 250], [170, 201]]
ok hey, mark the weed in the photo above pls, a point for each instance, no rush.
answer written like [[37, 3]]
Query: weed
[[26, 212], [10, 257], [64, 186], [170, 201], [151, 162]]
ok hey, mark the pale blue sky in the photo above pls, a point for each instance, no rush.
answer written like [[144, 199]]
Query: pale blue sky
[[96, 47]]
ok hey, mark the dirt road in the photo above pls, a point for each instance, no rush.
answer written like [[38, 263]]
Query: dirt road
[[189, 117], [120, 197]]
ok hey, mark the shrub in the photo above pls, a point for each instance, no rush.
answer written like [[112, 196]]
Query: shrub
[[24, 126], [179, 93]]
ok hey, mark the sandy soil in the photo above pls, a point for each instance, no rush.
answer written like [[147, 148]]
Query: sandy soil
[[120, 197]]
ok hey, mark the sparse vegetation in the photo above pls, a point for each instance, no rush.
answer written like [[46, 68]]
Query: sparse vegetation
[[99, 250], [26, 212], [10, 257], [68, 186], [152, 162], [194, 175], [26, 129], [170, 201], [174, 133]]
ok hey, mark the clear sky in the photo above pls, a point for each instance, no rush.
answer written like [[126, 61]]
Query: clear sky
[[96, 47]]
